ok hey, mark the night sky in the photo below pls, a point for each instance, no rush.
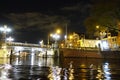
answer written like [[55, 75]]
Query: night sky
[[32, 20]]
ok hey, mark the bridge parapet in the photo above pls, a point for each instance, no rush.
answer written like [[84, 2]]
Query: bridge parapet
[[23, 47], [22, 44]]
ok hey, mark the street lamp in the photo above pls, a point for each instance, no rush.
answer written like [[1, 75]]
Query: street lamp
[[4, 30], [41, 43], [58, 31], [9, 39], [71, 37], [98, 32], [56, 37], [50, 35], [101, 32], [97, 27]]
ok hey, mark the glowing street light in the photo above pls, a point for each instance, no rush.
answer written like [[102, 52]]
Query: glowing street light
[[97, 27], [10, 39], [41, 43], [71, 37], [58, 31], [56, 36], [101, 32], [51, 35], [4, 30]]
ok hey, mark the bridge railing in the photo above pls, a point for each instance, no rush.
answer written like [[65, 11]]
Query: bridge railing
[[22, 44]]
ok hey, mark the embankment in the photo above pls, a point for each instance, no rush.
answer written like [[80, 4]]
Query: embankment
[[76, 53]]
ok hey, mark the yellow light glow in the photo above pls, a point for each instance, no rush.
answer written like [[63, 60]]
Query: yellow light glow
[[97, 27], [71, 37], [58, 31], [51, 35]]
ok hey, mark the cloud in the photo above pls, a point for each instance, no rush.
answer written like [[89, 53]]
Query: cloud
[[79, 7], [35, 20]]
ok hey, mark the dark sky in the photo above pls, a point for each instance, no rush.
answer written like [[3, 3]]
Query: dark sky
[[33, 20]]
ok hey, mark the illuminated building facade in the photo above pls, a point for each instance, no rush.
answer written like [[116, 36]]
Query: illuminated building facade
[[109, 43]]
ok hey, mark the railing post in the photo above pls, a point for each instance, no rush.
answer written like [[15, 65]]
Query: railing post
[[11, 56]]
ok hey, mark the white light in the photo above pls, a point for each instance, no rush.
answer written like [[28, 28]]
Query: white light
[[5, 29], [4, 72], [41, 41], [10, 39], [105, 45], [65, 36], [56, 36], [107, 72], [32, 59], [18, 48]]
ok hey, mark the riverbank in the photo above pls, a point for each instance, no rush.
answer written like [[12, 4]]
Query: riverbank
[[76, 53]]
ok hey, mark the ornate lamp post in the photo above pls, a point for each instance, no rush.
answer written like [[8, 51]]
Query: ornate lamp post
[[4, 31], [50, 35], [10, 39], [101, 32], [56, 37]]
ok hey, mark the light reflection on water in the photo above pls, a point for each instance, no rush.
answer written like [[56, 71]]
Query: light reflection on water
[[4, 60], [33, 68]]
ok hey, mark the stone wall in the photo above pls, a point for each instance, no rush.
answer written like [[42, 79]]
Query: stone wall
[[76, 53], [80, 53]]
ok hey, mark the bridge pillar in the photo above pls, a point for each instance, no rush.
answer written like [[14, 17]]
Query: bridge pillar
[[56, 52]]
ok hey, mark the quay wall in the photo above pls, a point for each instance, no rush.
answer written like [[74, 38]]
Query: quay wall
[[111, 54], [76, 53]]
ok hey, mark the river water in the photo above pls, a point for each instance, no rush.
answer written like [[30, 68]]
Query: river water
[[37, 68]]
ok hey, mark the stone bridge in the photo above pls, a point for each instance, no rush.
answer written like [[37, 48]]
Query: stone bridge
[[18, 47]]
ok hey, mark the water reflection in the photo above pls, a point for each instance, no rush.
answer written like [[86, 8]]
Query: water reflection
[[33, 60], [32, 67], [4, 60], [55, 73], [100, 69], [106, 71]]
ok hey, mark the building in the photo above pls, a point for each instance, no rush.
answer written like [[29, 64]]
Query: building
[[109, 43]]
